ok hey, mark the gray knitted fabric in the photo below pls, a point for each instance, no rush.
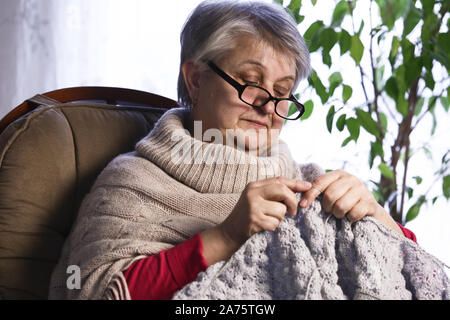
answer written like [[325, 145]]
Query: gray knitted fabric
[[315, 256]]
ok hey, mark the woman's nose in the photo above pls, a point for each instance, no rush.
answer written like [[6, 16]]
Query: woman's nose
[[269, 107]]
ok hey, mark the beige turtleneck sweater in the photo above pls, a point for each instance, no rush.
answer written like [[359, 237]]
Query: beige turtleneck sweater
[[147, 201]]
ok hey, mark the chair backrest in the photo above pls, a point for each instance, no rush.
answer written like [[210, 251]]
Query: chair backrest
[[50, 154]]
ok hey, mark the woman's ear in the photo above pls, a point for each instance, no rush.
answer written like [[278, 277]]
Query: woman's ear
[[191, 79]]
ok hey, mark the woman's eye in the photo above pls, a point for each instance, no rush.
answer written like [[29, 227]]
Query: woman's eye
[[281, 94], [249, 79]]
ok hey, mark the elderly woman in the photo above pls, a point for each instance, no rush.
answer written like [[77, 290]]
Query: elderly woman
[[154, 219]]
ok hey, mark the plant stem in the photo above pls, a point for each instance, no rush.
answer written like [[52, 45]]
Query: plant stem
[[374, 80], [405, 172]]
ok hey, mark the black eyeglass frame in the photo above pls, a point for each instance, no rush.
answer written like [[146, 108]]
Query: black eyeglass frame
[[241, 87]]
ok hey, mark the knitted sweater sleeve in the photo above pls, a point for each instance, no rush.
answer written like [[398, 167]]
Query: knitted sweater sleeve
[[159, 276], [408, 233]]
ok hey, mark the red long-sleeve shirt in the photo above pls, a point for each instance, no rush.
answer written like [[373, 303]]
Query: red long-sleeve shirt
[[159, 276]]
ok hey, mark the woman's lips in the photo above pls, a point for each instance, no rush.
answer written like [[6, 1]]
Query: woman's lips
[[257, 124]]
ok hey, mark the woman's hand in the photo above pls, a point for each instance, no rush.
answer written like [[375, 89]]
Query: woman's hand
[[262, 206], [344, 195]]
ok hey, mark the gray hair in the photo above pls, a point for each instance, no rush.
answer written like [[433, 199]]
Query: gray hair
[[212, 30]]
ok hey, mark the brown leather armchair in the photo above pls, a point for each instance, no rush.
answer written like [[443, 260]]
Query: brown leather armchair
[[52, 147]]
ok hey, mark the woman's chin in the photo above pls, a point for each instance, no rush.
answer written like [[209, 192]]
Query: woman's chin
[[255, 142], [254, 145]]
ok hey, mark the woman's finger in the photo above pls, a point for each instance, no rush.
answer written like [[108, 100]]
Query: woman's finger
[[275, 209], [293, 184], [269, 223], [319, 186], [334, 192], [359, 211], [281, 193], [346, 203]]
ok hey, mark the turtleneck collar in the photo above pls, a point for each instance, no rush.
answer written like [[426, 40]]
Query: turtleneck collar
[[208, 167]]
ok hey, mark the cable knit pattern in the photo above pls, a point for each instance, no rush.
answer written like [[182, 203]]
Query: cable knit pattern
[[315, 256]]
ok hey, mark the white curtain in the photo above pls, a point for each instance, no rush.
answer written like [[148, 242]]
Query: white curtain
[[53, 44]]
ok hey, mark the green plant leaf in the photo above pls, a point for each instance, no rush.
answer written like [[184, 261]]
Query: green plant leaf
[[428, 61], [345, 41], [294, 7], [412, 19], [326, 58], [428, 153], [376, 195], [381, 35], [353, 127], [429, 80], [330, 117], [357, 49], [376, 149], [379, 73], [412, 213], [378, 192], [419, 105], [292, 109], [361, 26], [346, 141], [367, 122], [402, 105], [347, 92], [429, 24], [329, 38], [395, 45], [444, 103], [339, 13], [444, 41], [407, 50], [386, 171], [412, 73], [410, 192], [391, 88], [446, 186], [418, 179], [315, 81], [427, 7], [434, 123], [309, 106], [335, 77], [335, 80], [390, 11], [399, 75], [312, 35], [340, 123], [384, 122], [313, 29]]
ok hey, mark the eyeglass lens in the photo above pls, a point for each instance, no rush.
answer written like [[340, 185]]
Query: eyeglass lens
[[258, 97]]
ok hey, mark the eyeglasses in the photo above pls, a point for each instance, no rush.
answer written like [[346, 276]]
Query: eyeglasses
[[257, 97]]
